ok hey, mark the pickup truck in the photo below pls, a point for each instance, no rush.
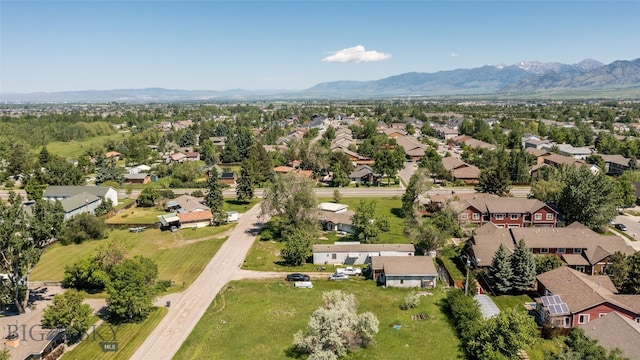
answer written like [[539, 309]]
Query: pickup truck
[[349, 270]]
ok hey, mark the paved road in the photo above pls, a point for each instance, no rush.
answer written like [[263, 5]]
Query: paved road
[[633, 229], [188, 307]]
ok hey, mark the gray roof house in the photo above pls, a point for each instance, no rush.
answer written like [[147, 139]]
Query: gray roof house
[[62, 192], [616, 331], [396, 271], [356, 253], [80, 204]]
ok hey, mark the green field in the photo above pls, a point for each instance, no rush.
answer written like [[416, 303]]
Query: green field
[[181, 256], [128, 336], [257, 320], [73, 149]]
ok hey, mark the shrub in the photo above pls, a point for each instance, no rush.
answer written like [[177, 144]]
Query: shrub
[[410, 301]]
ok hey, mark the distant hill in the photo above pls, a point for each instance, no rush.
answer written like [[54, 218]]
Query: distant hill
[[525, 77]]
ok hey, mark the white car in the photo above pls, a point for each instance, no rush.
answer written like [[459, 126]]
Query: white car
[[350, 270], [339, 276]]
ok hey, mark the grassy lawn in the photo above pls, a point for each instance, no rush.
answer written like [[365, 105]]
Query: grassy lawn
[[181, 256], [235, 205], [137, 215], [128, 336], [257, 320], [73, 149], [509, 302]]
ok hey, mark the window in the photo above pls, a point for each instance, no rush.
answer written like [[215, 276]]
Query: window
[[549, 216], [561, 250], [499, 216], [334, 256], [544, 250], [577, 251], [583, 318], [538, 217], [476, 216], [580, 268], [464, 216], [638, 319], [514, 216], [401, 281]]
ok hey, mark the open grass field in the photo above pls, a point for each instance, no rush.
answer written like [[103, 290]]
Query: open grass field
[[128, 336], [137, 215], [73, 149], [257, 320], [265, 255], [181, 256]]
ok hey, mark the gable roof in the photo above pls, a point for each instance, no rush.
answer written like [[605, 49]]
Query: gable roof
[[581, 291], [486, 242], [137, 176], [364, 248], [189, 203], [451, 163], [616, 331], [74, 202], [56, 191], [227, 175], [616, 159], [195, 216], [407, 266], [361, 171], [506, 205]]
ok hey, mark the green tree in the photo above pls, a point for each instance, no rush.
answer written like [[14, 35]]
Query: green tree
[[425, 235], [632, 284], [625, 191], [297, 246], [188, 138], [579, 346], [34, 189], [367, 222], [292, 198], [244, 187], [494, 180], [505, 335], [130, 291], [337, 195], [388, 163], [69, 312], [44, 156], [587, 198], [523, 268], [214, 198], [340, 177], [500, 273], [618, 269], [418, 184], [148, 197], [546, 190], [336, 328], [82, 227], [545, 263], [108, 170]]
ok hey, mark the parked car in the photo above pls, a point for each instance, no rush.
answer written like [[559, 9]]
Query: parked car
[[350, 270], [621, 227], [298, 277], [339, 276]]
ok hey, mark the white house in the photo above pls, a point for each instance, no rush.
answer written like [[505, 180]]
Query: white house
[[140, 169], [80, 204], [415, 271], [356, 253], [336, 217]]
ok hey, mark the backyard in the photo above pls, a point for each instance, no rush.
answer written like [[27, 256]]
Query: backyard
[[228, 329], [180, 255]]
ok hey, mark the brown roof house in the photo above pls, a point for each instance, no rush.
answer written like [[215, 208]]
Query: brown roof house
[[460, 170], [195, 219], [406, 272], [616, 331], [569, 298]]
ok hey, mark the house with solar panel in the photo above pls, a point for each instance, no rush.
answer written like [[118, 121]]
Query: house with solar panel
[[569, 298]]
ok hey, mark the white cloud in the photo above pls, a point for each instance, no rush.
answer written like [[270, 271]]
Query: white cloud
[[454, 55], [356, 54]]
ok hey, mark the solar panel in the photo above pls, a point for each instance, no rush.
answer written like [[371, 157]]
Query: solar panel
[[545, 301], [556, 299], [565, 308], [554, 304]]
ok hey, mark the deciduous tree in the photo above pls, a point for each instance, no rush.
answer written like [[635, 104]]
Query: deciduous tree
[[367, 222], [69, 313]]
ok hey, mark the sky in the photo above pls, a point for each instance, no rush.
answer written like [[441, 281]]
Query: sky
[[257, 45]]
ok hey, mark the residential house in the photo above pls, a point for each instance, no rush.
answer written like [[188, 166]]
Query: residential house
[[54, 192], [413, 149], [186, 204], [192, 156], [176, 158], [219, 141], [578, 153], [505, 212], [559, 161], [83, 203], [534, 142], [615, 331], [228, 178], [137, 178], [140, 169], [113, 155], [394, 132], [381, 126], [585, 298], [466, 140], [195, 219], [356, 253], [405, 272], [283, 169], [364, 174], [336, 217], [445, 133], [619, 127], [577, 246], [460, 170], [616, 164]]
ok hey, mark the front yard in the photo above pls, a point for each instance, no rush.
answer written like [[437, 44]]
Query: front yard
[[257, 320]]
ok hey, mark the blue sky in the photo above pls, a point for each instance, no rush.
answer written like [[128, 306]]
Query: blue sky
[[220, 45]]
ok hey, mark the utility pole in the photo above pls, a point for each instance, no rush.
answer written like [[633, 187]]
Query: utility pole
[[466, 285]]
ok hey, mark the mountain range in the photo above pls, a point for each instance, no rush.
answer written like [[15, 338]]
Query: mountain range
[[522, 78]]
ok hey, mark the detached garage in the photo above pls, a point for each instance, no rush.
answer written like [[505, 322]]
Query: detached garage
[[407, 272]]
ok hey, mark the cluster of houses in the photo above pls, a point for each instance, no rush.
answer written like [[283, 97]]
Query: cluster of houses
[[187, 211]]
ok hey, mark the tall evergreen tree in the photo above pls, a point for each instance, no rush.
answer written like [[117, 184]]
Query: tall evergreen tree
[[244, 187], [214, 198], [523, 267], [500, 273]]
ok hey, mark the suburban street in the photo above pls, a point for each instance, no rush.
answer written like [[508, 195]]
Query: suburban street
[[633, 228]]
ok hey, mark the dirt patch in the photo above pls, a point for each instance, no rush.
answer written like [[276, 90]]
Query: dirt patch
[[179, 241]]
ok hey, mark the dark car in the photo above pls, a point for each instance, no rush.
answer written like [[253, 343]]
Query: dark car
[[621, 227], [298, 277]]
